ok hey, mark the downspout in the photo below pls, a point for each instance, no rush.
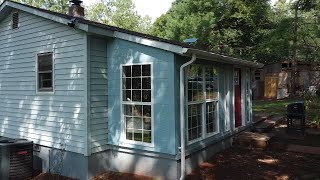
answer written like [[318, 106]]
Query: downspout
[[182, 117]]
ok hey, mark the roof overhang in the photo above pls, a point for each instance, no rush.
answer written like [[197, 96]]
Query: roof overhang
[[210, 56]]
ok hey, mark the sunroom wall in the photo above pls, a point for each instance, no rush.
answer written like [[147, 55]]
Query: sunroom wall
[[224, 70], [122, 52]]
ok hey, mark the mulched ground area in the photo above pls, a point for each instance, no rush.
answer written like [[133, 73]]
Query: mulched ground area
[[120, 176], [48, 176], [104, 176], [241, 163]]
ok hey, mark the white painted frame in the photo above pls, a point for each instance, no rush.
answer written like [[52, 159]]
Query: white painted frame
[[227, 100], [53, 72], [123, 140], [203, 103]]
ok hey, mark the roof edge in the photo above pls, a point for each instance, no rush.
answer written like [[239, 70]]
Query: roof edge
[[220, 58]]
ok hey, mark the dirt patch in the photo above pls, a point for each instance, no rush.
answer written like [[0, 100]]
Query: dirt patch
[[240, 163], [48, 176], [123, 176]]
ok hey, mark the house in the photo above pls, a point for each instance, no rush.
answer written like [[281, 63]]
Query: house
[[94, 97], [273, 81]]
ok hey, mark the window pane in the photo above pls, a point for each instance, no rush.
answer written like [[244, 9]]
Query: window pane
[[146, 83], [128, 110], [136, 95], [146, 96], [126, 71], [137, 110], [45, 80], [45, 62], [126, 82], [129, 134], [211, 121], [147, 136], [137, 123], [137, 135], [146, 111], [195, 84], [136, 71], [127, 95], [136, 83], [211, 75], [129, 122], [194, 121], [146, 70], [147, 123]]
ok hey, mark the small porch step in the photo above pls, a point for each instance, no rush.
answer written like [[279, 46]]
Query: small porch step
[[267, 124], [253, 140]]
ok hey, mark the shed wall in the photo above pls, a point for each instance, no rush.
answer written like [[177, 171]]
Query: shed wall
[[47, 119]]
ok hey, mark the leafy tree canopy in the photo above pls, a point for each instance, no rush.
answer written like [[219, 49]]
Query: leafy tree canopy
[[120, 13]]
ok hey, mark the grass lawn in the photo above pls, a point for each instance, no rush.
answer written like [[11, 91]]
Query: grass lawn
[[279, 107], [276, 107]]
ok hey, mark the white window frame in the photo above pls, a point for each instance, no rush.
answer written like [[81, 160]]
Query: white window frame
[[123, 139], [203, 104], [38, 91]]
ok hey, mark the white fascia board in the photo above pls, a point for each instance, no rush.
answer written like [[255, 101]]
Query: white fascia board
[[148, 42], [220, 58], [100, 31], [52, 17], [4, 4]]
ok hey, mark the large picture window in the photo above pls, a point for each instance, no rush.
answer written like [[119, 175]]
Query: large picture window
[[136, 102], [202, 96], [45, 72]]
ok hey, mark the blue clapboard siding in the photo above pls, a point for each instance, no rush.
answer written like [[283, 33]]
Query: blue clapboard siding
[[47, 119], [98, 135], [124, 52]]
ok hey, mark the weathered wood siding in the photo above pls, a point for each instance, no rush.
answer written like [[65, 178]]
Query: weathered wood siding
[[47, 119], [98, 135]]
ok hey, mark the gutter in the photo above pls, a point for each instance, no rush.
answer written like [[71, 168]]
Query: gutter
[[182, 118]]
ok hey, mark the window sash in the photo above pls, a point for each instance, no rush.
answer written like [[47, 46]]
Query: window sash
[[203, 102], [40, 74], [130, 72]]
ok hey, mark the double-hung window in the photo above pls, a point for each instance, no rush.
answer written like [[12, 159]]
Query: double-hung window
[[136, 102], [202, 98], [45, 72]]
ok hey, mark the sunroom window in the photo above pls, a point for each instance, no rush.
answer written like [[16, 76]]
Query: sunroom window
[[202, 96], [136, 102]]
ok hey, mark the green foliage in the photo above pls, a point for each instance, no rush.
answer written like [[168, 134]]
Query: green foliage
[[60, 6], [248, 29], [120, 13], [226, 26]]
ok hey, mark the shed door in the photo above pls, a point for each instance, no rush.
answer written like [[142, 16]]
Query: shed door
[[270, 87], [237, 91]]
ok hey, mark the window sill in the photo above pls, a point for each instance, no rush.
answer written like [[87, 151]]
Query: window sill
[[133, 144], [202, 138], [45, 92]]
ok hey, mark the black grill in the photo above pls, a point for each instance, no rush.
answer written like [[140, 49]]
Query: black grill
[[296, 116], [16, 159]]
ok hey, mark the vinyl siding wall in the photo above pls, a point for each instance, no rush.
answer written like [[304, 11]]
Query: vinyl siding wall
[[47, 119], [98, 95], [163, 98]]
